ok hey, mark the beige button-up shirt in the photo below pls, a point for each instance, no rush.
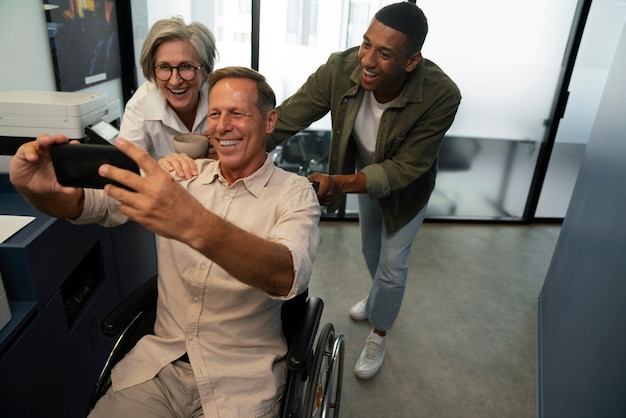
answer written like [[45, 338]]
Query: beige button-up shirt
[[232, 332]]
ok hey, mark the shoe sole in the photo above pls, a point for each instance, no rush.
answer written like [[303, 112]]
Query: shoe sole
[[367, 376], [358, 317]]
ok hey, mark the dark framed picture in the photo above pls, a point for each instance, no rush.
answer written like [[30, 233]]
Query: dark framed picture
[[84, 42]]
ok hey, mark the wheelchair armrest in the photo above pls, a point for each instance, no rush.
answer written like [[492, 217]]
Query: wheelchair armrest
[[143, 298], [301, 348]]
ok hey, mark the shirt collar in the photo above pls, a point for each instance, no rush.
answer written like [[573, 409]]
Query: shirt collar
[[211, 172], [158, 109]]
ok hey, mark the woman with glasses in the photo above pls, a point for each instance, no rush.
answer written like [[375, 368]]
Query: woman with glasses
[[176, 60]]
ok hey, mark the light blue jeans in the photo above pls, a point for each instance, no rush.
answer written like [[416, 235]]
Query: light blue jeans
[[387, 258]]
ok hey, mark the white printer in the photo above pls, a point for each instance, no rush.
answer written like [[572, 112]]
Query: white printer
[[5, 310], [28, 113]]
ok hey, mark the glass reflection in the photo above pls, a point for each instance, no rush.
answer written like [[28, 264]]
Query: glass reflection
[[506, 72]]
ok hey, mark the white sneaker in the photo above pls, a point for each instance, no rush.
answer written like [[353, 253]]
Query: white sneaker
[[357, 312], [372, 356]]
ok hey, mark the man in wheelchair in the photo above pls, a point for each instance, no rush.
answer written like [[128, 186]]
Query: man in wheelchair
[[235, 241]]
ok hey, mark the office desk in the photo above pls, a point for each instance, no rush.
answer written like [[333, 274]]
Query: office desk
[[61, 279]]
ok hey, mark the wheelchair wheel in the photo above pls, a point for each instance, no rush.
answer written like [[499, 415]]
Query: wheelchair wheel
[[323, 391], [141, 324]]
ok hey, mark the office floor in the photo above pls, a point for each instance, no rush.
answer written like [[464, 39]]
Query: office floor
[[464, 343]]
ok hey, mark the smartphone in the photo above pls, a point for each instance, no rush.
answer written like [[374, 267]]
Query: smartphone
[[76, 165], [101, 132]]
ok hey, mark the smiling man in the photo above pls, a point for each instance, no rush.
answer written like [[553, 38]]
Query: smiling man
[[390, 109], [235, 241]]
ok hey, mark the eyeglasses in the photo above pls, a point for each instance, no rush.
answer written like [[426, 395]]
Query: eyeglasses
[[185, 71]]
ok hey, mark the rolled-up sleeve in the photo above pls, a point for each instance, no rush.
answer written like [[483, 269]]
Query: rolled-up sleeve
[[100, 209], [298, 230]]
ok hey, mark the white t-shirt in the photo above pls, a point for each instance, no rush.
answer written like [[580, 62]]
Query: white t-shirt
[[366, 128]]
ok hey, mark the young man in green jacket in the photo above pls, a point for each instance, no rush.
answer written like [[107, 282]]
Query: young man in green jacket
[[390, 109]]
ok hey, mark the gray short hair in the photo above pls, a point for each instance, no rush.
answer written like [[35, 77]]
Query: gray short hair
[[198, 35]]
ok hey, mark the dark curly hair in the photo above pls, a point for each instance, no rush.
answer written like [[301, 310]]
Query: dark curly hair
[[407, 18]]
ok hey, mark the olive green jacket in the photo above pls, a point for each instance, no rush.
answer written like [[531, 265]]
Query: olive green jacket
[[410, 133]]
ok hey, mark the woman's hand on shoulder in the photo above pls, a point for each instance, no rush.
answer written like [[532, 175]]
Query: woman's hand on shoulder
[[184, 166]]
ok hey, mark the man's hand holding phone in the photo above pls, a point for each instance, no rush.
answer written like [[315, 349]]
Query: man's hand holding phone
[[31, 166], [32, 173], [157, 201]]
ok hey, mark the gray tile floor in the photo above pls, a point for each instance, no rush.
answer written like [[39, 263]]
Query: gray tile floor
[[465, 341]]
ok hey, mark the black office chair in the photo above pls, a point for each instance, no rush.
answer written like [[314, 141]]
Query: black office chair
[[304, 153], [456, 154], [315, 371]]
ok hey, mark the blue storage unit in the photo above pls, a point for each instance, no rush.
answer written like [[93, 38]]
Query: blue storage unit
[[61, 279]]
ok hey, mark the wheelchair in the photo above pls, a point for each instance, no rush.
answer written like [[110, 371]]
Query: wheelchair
[[315, 370]]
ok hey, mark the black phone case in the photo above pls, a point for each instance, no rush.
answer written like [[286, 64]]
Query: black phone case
[[76, 165]]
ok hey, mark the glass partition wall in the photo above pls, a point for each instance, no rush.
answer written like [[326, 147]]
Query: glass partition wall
[[507, 58]]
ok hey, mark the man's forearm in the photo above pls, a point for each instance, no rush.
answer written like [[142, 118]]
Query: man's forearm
[[59, 205], [256, 261], [349, 183]]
